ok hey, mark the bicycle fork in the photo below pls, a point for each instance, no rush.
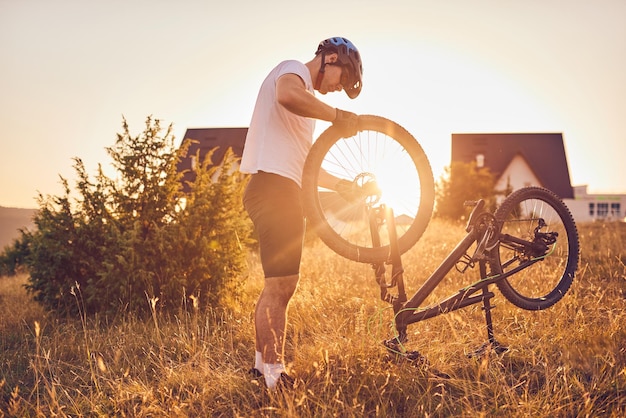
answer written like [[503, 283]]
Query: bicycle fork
[[377, 217]]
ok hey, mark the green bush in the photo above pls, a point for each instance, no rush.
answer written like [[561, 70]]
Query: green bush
[[137, 236], [463, 182], [208, 244], [13, 258]]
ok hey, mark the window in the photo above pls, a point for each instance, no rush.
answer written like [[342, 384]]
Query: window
[[591, 208], [603, 210], [480, 160], [615, 209]]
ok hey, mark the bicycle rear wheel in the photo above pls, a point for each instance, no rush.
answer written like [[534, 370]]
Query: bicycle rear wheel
[[536, 215], [381, 151]]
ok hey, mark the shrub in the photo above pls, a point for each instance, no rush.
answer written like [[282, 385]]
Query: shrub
[[463, 182], [137, 235], [14, 256], [208, 244]]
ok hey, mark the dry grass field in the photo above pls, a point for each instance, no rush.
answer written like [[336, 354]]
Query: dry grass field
[[567, 361]]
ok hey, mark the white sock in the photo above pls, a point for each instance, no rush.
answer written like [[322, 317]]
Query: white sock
[[272, 372], [258, 361]]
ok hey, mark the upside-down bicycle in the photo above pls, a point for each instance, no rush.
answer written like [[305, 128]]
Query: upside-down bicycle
[[528, 248]]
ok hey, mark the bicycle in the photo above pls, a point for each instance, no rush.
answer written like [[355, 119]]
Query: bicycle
[[528, 248]]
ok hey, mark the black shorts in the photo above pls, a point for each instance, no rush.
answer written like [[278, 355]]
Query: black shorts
[[274, 204]]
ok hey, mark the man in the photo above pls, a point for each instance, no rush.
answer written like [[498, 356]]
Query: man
[[278, 141]]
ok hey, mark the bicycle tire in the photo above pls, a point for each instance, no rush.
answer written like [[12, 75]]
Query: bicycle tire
[[386, 151], [543, 283]]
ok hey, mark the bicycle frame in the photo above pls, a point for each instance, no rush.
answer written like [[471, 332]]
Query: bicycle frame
[[482, 230]]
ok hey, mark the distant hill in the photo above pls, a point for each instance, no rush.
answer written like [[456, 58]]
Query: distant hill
[[11, 220]]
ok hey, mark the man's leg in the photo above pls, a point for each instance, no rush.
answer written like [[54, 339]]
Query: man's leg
[[274, 205], [270, 323]]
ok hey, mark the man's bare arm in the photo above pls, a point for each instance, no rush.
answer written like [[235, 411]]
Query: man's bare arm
[[292, 94]]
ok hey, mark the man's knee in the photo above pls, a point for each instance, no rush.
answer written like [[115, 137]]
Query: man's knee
[[282, 287]]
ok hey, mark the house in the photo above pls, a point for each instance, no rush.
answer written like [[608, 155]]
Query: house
[[593, 207], [535, 159], [204, 140], [518, 159]]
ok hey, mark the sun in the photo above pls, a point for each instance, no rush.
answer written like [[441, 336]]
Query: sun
[[375, 157], [398, 181]]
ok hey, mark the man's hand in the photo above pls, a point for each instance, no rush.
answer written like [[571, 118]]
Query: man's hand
[[353, 192], [347, 123]]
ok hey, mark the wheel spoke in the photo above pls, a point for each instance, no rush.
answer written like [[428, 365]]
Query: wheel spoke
[[384, 154]]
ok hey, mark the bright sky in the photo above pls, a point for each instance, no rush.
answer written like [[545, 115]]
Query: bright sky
[[71, 68]]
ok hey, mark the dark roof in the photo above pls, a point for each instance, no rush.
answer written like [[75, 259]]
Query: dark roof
[[209, 138], [544, 152], [206, 139]]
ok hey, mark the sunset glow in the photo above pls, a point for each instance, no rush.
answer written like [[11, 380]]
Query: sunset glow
[[72, 70]]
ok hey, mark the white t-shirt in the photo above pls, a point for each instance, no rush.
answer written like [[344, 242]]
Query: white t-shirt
[[278, 141]]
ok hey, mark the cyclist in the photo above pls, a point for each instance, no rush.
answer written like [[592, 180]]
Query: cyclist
[[278, 140]]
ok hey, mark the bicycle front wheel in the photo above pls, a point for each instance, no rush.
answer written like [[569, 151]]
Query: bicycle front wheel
[[537, 231], [383, 152]]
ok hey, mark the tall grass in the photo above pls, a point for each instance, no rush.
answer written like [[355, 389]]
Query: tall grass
[[569, 360]]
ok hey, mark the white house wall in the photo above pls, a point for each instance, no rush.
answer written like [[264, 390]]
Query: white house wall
[[584, 207], [517, 174], [587, 207]]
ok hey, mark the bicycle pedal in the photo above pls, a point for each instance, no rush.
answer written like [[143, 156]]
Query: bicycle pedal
[[416, 358], [487, 348], [413, 357]]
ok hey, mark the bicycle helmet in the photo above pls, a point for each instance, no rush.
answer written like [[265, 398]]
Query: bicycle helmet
[[348, 58]]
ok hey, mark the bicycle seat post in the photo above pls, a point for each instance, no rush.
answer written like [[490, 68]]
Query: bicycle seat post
[[375, 222]]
